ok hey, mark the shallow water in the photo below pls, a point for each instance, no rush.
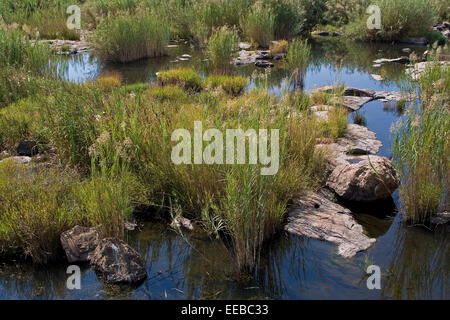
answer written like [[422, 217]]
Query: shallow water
[[414, 261]]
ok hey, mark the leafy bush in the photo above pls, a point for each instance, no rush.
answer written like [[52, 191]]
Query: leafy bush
[[126, 38]]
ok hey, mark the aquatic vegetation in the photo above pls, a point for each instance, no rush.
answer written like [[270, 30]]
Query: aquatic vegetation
[[298, 53], [222, 46], [231, 85], [421, 148], [259, 24], [279, 47], [167, 93], [400, 19], [36, 208], [336, 125], [185, 77], [126, 38]]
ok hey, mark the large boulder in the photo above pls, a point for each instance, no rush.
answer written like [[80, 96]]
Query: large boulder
[[79, 242], [118, 262], [366, 181], [316, 216]]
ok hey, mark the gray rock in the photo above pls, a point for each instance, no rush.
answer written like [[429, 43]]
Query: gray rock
[[402, 60], [244, 45], [420, 41], [366, 181], [17, 160], [264, 64], [406, 50], [354, 103], [324, 34], [79, 242], [354, 146], [118, 262], [440, 218], [27, 148], [179, 222], [377, 77], [315, 216]]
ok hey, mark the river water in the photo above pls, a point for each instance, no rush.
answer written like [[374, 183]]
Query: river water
[[414, 261]]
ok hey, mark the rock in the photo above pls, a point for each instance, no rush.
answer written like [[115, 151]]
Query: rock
[[179, 222], [366, 181], [406, 50], [440, 218], [27, 148], [118, 262], [315, 216], [321, 112], [387, 96], [354, 146], [354, 92], [420, 41], [186, 56], [402, 60], [323, 34], [354, 103], [244, 45], [79, 242], [278, 57], [418, 69], [337, 34], [17, 160], [377, 77], [446, 34], [264, 64], [377, 65]]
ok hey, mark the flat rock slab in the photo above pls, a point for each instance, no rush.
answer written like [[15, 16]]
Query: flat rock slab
[[402, 60], [79, 242], [355, 103], [317, 217]]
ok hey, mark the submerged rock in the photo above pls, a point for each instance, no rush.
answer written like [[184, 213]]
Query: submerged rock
[[79, 242], [367, 181], [264, 64], [377, 77], [418, 41], [402, 60], [440, 218], [315, 216], [118, 262]]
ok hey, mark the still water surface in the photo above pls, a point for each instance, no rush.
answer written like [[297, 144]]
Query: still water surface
[[414, 261]]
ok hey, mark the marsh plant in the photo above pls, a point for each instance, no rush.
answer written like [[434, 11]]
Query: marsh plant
[[126, 38], [421, 148], [259, 25], [222, 45], [297, 59]]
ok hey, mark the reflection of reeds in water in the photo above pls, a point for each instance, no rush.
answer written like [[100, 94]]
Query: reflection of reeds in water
[[420, 267]]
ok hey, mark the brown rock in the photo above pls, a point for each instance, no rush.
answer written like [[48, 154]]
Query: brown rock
[[315, 216], [118, 262], [366, 181], [79, 242]]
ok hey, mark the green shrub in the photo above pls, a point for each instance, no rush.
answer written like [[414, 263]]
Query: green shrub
[[21, 121], [288, 18], [37, 207], [400, 19], [231, 85], [259, 24], [17, 51], [126, 38], [167, 93], [186, 77], [221, 46]]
